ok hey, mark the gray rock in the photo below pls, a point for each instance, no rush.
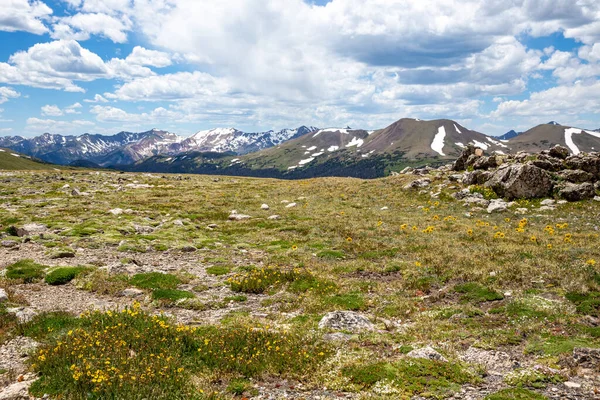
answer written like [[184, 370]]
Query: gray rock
[[586, 357], [274, 217], [597, 198], [559, 151], [495, 362], [461, 163], [577, 192], [572, 385], [407, 170], [132, 292], [23, 314], [418, 184], [16, 391], [576, 175], [238, 217], [497, 206], [265, 207], [346, 321], [9, 243], [548, 202], [31, 229], [178, 222], [476, 201], [116, 211], [477, 177], [291, 205], [585, 162], [337, 337], [519, 181], [485, 162], [3, 295], [427, 353], [547, 208], [143, 229]]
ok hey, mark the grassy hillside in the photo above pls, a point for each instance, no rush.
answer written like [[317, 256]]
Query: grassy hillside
[[11, 162], [244, 298]]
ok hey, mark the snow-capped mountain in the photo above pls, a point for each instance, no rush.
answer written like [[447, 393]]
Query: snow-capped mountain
[[128, 148], [124, 147], [223, 140]]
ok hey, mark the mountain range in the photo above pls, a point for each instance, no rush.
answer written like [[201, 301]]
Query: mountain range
[[304, 152], [127, 148]]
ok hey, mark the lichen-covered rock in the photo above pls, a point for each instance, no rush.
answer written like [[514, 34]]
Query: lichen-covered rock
[[346, 321], [559, 151], [520, 181], [418, 184], [576, 176], [427, 353], [587, 357], [577, 192]]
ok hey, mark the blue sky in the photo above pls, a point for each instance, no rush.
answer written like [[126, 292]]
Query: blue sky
[[102, 66]]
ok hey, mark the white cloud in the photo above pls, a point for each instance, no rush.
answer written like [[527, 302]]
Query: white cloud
[[73, 109], [98, 98], [38, 126], [560, 101], [153, 58], [7, 93], [24, 15], [51, 111], [81, 26]]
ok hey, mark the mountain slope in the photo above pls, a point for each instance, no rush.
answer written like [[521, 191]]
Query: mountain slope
[[545, 136], [12, 161], [339, 152], [509, 135]]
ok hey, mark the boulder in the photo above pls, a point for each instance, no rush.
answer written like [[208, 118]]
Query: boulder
[[559, 151], [132, 292], [518, 181], [264, 207], [477, 177], [497, 206], [547, 165], [479, 152], [418, 184], [485, 162], [346, 321], [577, 192], [427, 353], [576, 175], [461, 163], [586, 162], [16, 391]]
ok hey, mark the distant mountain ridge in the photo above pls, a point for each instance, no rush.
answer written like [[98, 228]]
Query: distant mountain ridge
[[127, 148], [509, 135]]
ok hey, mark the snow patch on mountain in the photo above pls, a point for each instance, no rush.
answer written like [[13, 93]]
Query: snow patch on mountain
[[484, 146], [307, 161], [331, 149], [569, 132], [438, 141], [457, 130], [355, 142]]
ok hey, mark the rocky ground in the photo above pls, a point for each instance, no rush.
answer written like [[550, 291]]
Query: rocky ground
[[509, 299]]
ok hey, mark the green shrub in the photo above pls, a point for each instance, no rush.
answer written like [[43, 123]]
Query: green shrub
[[26, 270], [63, 275], [259, 280]]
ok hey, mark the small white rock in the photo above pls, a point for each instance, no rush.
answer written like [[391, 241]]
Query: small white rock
[[291, 205], [572, 385], [116, 211], [3, 296], [274, 217], [264, 207], [384, 208]]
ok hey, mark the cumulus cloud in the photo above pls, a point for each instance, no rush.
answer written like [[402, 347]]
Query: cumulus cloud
[[7, 93], [81, 26], [38, 125], [98, 98], [24, 15], [52, 111]]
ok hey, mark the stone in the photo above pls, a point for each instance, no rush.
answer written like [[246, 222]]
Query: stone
[[586, 357], [16, 391], [559, 151], [427, 353], [479, 152], [291, 205], [548, 202], [143, 229], [572, 385], [274, 217], [519, 181], [485, 163], [132, 292], [474, 201], [75, 192], [31, 229], [461, 163], [497, 206], [577, 192], [265, 207], [116, 211], [346, 321], [407, 170], [495, 362], [63, 254], [456, 177], [587, 163], [23, 314], [178, 222], [477, 177], [547, 208], [547, 165], [384, 208], [418, 184], [337, 337], [3, 295], [9, 243], [212, 226], [238, 217], [597, 198], [188, 249], [576, 175]]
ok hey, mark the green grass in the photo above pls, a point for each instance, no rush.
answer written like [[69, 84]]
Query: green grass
[[473, 292], [63, 275], [155, 280], [171, 294], [411, 377], [49, 324], [133, 355], [587, 303], [515, 394], [551, 345], [26, 270], [218, 270], [349, 301], [12, 163]]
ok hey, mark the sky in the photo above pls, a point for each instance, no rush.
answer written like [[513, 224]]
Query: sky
[[104, 66]]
